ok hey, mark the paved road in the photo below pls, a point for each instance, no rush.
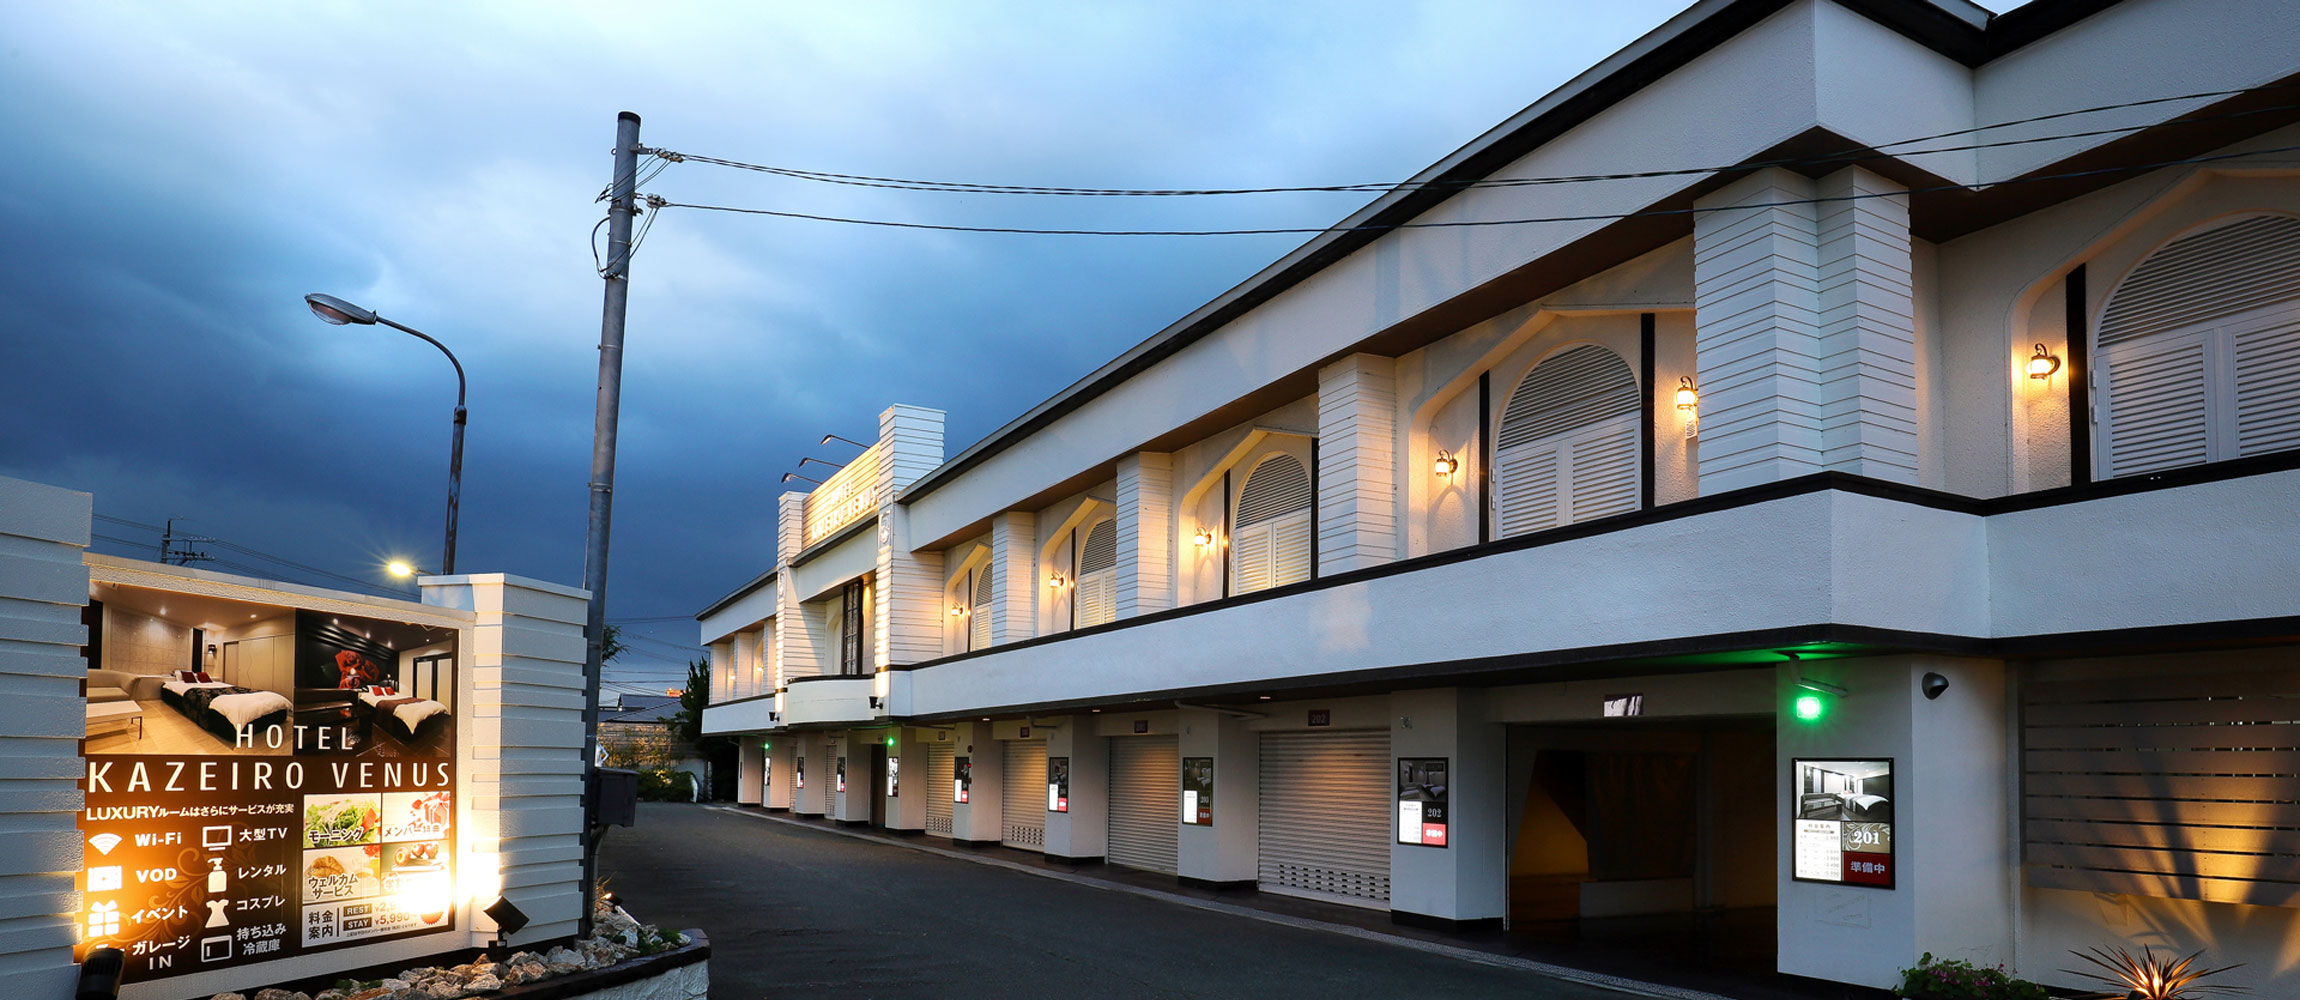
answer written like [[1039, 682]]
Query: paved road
[[794, 912]]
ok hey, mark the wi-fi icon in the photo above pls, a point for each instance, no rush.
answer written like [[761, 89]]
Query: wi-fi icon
[[105, 842]]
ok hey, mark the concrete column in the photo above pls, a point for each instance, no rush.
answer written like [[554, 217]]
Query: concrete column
[[782, 748], [1868, 339], [1805, 331], [1357, 463], [43, 590], [1145, 533], [978, 820], [907, 612], [1225, 853], [521, 752], [1465, 883], [1083, 833], [907, 809], [1952, 847], [1015, 584], [853, 805], [750, 770], [806, 766]]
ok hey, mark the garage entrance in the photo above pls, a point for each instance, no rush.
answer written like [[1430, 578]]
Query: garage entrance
[[1646, 841], [1145, 802], [1022, 795]]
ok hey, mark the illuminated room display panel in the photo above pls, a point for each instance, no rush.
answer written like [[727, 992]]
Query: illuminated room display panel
[[256, 826]]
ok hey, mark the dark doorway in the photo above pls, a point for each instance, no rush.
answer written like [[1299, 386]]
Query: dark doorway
[[878, 785], [1645, 843]]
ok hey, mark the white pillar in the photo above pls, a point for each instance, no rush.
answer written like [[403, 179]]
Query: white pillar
[[907, 612], [979, 819], [1145, 533], [782, 748], [750, 771], [1805, 330], [1082, 833], [1225, 853], [43, 588], [1357, 463], [1014, 591], [1466, 882], [907, 809], [521, 756], [794, 639]]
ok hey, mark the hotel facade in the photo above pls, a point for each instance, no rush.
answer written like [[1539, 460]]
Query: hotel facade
[[1833, 467]]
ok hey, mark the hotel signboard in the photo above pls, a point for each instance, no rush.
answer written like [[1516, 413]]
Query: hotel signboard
[[225, 838]]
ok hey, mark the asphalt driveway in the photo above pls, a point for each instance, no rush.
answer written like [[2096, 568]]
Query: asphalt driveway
[[795, 912]]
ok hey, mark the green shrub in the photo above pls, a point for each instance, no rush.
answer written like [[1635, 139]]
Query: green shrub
[[666, 785], [1936, 979]]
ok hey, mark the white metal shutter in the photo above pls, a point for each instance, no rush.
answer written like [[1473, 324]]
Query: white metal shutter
[[1325, 815], [2159, 407], [2244, 265], [1022, 796], [978, 625], [1098, 576], [1566, 449], [941, 771], [2265, 355], [1145, 802]]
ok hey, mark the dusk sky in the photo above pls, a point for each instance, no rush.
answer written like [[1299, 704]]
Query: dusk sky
[[186, 172]]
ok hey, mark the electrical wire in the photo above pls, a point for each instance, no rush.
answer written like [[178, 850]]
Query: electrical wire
[[259, 554], [650, 620], [1876, 152], [1465, 223]]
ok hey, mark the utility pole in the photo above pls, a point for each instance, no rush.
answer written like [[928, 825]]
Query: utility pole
[[617, 274], [185, 556]]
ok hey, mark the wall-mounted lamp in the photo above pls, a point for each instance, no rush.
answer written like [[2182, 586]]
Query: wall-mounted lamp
[[2042, 364], [1688, 398], [958, 611], [508, 920], [1445, 465], [1058, 581], [1204, 537], [828, 438]]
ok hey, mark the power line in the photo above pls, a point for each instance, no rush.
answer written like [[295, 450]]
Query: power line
[[1876, 152], [266, 556], [650, 620], [1465, 223]]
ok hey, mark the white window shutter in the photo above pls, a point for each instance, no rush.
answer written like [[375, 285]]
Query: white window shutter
[[2265, 356], [1250, 554], [1602, 472], [2158, 408], [978, 624], [1097, 597], [1290, 549], [1525, 488]]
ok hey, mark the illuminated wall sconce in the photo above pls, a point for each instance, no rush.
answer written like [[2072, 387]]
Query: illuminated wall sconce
[[958, 611], [2042, 364], [881, 683], [1204, 537], [1445, 465], [1689, 403], [1058, 581]]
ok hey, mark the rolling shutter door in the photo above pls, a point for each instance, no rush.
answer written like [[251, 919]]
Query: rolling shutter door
[[1325, 816], [941, 770], [1145, 802], [1022, 798]]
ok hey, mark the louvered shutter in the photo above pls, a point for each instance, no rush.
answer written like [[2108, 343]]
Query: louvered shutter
[[1270, 544], [978, 622], [1566, 450], [2200, 350], [1098, 575], [1022, 795], [941, 771], [2159, 413], [1324, 815], [1145, 799], [2265, 356]]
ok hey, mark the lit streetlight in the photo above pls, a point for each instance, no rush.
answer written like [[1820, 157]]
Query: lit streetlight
[[337, 312]]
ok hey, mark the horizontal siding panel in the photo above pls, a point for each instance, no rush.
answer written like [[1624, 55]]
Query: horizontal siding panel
[[2170, 763], [2282, 868], [2210, 890], [2264, 736], [2222, 839], [2270, 814]]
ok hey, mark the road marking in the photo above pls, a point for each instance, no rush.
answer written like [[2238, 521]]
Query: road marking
[[1571, 975]]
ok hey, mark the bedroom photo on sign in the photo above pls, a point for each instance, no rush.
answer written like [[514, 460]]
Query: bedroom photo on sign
[[372, 688], [173, 674]]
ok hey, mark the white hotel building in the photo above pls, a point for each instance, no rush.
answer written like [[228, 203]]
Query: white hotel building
[[1969, 406]]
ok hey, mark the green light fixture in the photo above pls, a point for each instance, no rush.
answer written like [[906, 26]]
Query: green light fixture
[[1810, 707]]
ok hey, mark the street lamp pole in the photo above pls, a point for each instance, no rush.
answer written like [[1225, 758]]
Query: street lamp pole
[[337, 312]]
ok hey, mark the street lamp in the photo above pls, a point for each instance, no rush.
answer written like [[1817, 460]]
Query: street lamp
[[337, 312]]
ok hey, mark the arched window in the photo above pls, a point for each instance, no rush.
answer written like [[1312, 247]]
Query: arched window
[[978, 611], [2199, 350], [1566, 449], [1270, 538], [1097, 590]]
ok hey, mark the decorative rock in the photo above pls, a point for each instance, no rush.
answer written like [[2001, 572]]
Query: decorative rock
[[483, 984], [376, 993], [278, 994], [228, 996], [397, 985], [443, 988]]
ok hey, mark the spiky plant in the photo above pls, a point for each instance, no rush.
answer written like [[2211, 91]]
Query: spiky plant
[[2147, 977]]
